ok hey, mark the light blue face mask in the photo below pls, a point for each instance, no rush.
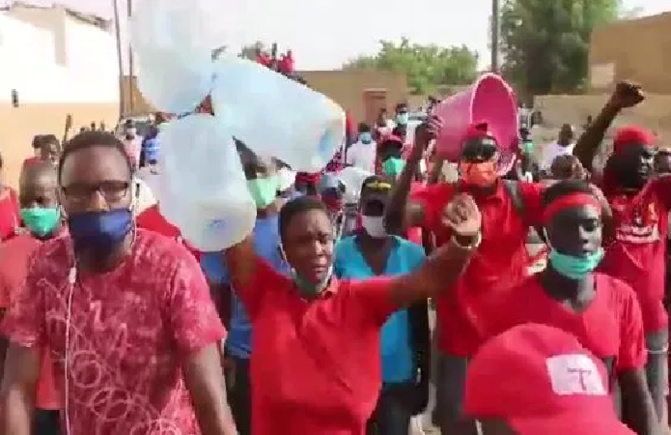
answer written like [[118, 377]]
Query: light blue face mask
[[366, 138], [402, 118], [575, 268]]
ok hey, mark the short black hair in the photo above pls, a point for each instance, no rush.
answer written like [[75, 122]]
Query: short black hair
[[297, 206], [49, 139], [37, 141], [364, 128], [564, 188], [401, 106], [89, 139]]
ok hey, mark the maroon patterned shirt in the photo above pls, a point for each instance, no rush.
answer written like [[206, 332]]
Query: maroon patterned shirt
[[129, 330]]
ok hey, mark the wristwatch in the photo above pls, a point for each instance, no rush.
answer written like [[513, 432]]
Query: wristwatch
[[473, 245]]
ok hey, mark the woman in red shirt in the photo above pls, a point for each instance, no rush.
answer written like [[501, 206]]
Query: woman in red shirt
[[9, 210]]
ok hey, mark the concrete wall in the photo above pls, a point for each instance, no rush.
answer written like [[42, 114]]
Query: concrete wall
[[344, 87], [636, 50], [20, 125], [654, 113], [58, 64], [48, 56]]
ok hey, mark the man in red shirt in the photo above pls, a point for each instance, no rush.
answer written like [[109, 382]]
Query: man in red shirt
[[551, 385], [316, 360], [636, 246], [599, 310], [502, 259], [10, 221], [41, 213], [46, 148], [126, 315]]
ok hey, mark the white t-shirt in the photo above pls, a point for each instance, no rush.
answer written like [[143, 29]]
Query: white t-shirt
[[362, 156], [554, 150]]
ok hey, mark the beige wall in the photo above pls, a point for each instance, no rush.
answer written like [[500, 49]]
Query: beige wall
[[19, 125], [344, 87], [654, 113], [636, 50]]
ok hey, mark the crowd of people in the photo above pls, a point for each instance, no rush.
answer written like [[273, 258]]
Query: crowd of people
[[113, 324]]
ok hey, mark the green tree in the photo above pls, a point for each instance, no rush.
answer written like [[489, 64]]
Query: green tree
[[425, 66], [545, 44]]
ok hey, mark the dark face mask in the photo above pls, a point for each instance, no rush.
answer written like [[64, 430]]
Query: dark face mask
[[100, 232]]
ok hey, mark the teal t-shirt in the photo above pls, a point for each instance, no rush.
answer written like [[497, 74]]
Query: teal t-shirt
[[395, 346]]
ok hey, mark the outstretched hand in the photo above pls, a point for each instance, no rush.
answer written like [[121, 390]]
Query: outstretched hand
[[462, 216]]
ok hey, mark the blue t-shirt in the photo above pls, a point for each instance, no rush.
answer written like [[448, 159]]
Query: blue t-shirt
[[395, 346], [266, 243]]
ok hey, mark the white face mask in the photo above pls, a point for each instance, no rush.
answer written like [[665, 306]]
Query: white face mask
[[374, 226]]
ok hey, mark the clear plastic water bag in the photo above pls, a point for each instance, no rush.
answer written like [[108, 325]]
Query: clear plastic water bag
[[276, 116], [175, 85], [180, 26], [204, 190]]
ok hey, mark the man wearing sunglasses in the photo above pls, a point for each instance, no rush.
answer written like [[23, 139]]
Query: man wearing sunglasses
[[508, 210]]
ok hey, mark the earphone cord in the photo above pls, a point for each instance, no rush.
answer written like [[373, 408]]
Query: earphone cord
[[73, 281]]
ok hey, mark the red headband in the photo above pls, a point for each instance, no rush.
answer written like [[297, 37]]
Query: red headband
[[568, 201]]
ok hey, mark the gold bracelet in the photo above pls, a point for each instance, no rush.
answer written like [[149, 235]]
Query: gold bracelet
[[474, 245]]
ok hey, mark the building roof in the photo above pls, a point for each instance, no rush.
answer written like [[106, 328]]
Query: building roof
[[95, 20]]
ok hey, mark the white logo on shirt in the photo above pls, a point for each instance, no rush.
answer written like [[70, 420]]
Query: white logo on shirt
[[575, 374]]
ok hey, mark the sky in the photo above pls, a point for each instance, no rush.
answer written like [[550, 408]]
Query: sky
[[324, 34]]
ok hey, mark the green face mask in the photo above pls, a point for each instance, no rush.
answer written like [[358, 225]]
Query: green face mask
[[393, 166], [575, 268], [41, 221], [263, 190], [527, 147]]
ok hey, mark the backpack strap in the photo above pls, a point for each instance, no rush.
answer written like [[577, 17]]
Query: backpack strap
[[513, 189]]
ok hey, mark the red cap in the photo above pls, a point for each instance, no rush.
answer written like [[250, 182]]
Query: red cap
[[479, 130], [541, 381], [632, 135]]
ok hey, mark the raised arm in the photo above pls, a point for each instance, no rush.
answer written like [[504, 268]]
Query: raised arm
[[241, 263], [625, 95], [399, 214], [442, 269]]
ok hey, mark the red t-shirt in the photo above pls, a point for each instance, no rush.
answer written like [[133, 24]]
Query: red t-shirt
[[30, 161], [10, 217], [611, 326], [501, 260], [637, 255], [151, 219], [129, 331], [14, 256], [315, 368]]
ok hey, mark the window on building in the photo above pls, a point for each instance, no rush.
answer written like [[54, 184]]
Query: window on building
[[15, 98]]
